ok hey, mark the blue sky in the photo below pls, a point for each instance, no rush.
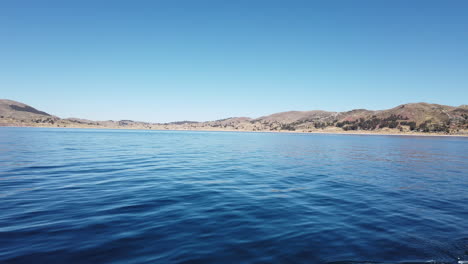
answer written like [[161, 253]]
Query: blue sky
[[203, 60]]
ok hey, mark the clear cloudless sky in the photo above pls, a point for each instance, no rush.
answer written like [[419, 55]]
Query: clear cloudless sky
[[201, 60]]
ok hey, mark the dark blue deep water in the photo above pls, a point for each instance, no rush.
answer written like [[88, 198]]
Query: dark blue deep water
[[122, 196]]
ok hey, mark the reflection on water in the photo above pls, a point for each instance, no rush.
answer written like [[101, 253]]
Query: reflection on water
[[100, 196]]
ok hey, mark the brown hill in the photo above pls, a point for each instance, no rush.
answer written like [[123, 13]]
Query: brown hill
[[297, 116], [422, 117], [14, 113], [17, 110], [413, 117]]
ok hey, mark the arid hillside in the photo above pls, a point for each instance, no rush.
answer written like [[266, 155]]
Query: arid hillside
[[407, 118]]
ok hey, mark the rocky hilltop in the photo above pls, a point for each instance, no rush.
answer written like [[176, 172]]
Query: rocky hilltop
[[407, 118]]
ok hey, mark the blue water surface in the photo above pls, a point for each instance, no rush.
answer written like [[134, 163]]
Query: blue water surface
[[135, 196]]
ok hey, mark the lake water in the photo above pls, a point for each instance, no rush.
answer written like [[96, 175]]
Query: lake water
[[123, 196]]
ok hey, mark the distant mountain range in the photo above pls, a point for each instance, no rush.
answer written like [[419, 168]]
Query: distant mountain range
[[406, 118]]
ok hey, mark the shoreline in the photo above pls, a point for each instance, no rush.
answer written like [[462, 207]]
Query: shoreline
[[356, 133]]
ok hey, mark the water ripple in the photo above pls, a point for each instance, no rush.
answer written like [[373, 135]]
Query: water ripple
[[106, 196]]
